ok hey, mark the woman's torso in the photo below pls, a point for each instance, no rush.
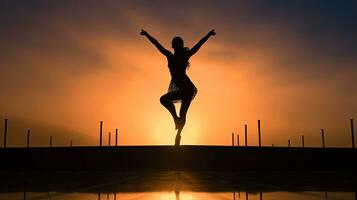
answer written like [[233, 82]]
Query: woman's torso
[[177, 64]]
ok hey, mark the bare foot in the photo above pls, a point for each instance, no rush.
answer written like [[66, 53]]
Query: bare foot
[[177, 139], [180, 124]]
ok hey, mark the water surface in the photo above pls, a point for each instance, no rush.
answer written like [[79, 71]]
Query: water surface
[[178, 185]]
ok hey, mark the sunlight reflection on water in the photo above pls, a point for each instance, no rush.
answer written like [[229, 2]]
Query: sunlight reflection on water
[[178, 186], [186, 195]]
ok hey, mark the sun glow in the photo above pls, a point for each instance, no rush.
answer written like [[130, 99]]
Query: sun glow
[[162, 129], [176, 196]]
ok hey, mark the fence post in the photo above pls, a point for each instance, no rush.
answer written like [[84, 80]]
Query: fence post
[[101, 133], [259, 136], [238, 140], [28, 138], [116, 137], [71, 144], [303, 141], [5, 133], [288, 143], [353, 133], [232, 138], [323, 138], [109, 140], [246, 134], [50, 141]]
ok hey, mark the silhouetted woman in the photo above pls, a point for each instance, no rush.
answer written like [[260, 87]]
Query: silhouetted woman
[[181, 88]]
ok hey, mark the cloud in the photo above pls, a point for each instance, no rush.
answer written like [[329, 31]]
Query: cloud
[[85, 60]]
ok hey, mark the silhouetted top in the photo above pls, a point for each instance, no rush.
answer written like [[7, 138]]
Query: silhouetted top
[[177, 64]]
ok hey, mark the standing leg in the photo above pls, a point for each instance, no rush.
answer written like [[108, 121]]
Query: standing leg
[[183, 112], [166, 101]]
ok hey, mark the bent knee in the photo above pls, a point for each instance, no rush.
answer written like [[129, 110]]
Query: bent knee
[[163, 100], [189, 94]]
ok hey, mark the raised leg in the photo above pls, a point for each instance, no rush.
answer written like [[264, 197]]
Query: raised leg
[[166, 101]]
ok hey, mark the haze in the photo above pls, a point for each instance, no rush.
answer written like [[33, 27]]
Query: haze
[[66, 65]]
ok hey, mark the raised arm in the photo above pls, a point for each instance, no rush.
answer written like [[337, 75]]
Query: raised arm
[[201, 42], [156, 43]]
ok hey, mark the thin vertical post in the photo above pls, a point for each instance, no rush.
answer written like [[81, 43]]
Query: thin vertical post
[[261, 195], [234, 195], [116, 137], [323, 138], [109, 140], [101, 134], [98, 195], [246, 134], [28, 138], [232, 138], [5, 132], [50, 141], [246, 195], [259, 136], [115, 195], [353, 133], [272, 145], [288, 143], [237, 139], [303, 141], [24, 195], [71, 143]]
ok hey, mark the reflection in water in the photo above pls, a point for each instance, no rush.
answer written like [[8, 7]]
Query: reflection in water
[[181, 195], [177, 195], [178, 186]]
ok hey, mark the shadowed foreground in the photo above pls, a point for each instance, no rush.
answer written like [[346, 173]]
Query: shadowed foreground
[[169, 158], [208, 181]]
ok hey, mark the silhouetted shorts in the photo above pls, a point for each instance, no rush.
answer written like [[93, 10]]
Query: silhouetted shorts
[[187, 88]]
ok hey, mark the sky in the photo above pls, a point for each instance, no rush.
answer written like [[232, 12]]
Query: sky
[[67, 65]]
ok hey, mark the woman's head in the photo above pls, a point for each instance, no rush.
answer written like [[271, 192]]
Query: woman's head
[[177, 43], [180, 49]]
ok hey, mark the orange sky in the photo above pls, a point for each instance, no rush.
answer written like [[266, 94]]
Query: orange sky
[[65, 67]]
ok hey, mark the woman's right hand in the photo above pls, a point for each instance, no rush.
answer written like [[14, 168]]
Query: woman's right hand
[[143, 32]]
